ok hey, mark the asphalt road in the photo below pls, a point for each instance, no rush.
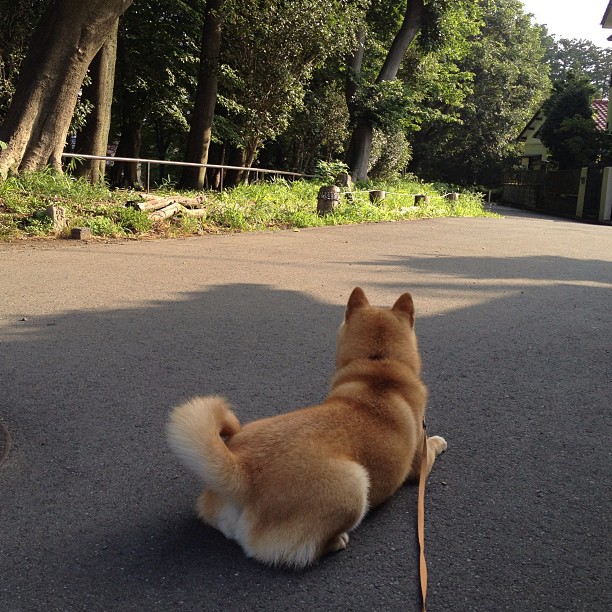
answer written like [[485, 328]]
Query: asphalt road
[[98, 341]]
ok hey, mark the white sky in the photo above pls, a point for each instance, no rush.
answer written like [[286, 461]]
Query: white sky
[[571, 18]]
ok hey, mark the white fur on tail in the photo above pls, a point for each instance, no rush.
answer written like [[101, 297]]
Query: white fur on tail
[[194, 434]]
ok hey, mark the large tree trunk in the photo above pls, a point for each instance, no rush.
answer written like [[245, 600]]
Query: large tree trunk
[[93, 138], [358, 153], [360, 147], [353, 64], [200, 130], [63, 45]]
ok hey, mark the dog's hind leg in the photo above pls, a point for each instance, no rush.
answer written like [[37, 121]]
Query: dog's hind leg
[[218, 512], [311, 525]]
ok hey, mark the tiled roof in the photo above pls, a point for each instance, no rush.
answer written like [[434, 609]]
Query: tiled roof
[[600, 108]]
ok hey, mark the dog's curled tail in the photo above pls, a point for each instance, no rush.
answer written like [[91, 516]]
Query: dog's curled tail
[[195, 433]]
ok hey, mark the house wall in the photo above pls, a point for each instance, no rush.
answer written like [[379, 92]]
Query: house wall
[[534, 149]]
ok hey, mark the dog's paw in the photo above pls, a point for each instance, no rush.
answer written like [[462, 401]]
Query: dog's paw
[[338, 543], [438, 443]]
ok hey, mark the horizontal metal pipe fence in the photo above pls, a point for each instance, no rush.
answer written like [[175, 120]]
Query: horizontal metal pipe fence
[[164, 162]]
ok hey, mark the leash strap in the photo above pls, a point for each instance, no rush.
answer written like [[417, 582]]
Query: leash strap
[[421, 518]]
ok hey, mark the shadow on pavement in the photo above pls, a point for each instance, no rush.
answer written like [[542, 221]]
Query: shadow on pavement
[[97, 514]]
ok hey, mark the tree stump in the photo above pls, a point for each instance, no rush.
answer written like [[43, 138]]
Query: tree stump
[[421, 198], [453, 197], [327, 199], [376, 195]]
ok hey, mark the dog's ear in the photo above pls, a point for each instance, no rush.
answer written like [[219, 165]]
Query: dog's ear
[[405, 304], [357, 300]]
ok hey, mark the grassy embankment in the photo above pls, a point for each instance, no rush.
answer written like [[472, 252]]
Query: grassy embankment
[[263, 206]]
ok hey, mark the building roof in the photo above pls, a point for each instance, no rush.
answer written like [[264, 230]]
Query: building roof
[[600, 109], [606, 21], [600, 114]]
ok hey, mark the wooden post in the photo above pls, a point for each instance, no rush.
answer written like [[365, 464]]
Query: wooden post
[[420, 198], [327, 199], [376, 195]]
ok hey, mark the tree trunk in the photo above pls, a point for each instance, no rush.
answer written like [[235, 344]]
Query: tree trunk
[[235, 158], [358, 153], [125, 174], [353, 63], [413, 20], [63, 45], [200, 130], [360, 147], [93, 138]]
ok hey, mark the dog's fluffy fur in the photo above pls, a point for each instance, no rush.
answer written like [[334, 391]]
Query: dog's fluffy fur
[[289, 488]]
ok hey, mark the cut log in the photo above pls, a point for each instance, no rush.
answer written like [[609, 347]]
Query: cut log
[[153, 202], [166, 212], [175, 208]]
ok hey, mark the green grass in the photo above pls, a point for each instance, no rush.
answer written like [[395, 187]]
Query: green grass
[[262, 206]]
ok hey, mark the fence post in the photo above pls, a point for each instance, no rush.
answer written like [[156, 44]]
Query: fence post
[[581, 192], [605, 204]]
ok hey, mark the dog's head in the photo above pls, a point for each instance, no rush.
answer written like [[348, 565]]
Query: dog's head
[[368, 332]]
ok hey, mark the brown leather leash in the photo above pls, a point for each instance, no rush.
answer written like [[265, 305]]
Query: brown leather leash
[[421, 517]]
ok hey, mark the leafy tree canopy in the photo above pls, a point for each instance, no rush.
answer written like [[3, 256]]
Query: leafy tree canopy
[[569, 131], [510, 80], [579, 55]]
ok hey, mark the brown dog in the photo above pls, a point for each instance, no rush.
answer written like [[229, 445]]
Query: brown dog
[[289, 488]]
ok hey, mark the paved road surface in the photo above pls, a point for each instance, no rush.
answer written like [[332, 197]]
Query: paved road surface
[[98, 341]]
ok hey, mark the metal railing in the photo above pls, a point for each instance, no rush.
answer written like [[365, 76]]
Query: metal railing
[[164, 162]]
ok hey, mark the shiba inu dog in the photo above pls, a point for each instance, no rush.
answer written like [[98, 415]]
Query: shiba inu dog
[[290, 488]]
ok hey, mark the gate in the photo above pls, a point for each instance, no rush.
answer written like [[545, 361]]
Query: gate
[[592, 192]]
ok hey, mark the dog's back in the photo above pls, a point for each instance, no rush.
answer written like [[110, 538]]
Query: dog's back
[[289, 488]]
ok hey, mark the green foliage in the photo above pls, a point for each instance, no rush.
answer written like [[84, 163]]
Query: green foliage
[[276, 204], [157, 65], [327, 171], [23, 200], [17, 21], [385, 105], [569, 131], [578, 55], [318, 130], [269, 58], [473, 141], [390, 153]]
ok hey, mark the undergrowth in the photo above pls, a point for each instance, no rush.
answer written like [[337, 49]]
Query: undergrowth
[[271, 205]]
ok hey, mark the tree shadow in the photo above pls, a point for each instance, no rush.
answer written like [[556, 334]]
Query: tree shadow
[[96, 511]]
